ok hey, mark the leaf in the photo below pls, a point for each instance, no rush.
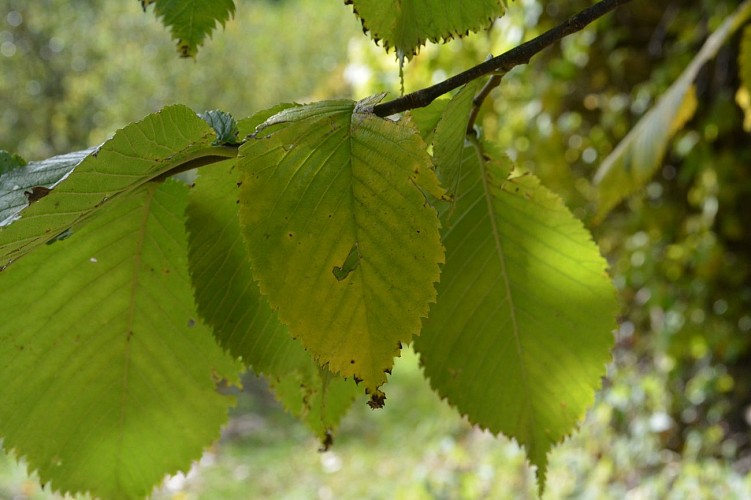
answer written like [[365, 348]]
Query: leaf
[[521, 331], [19, 178], [743, 96], [229, 301], [450, 134], [191, 21], [107, 377], [138, 153], [317, 180], [317, 397], [9, 162], [639, 155], [224, 126], [406, 25]]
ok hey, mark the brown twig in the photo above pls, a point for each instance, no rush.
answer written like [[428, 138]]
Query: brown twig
[[500, 64]]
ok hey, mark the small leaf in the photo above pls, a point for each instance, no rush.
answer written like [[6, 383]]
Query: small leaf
[[86, 181], [107, 378], [224, 126], [639, 155], [191, 21], [522, 329], [318, 180], [10, 161], [407, 25]]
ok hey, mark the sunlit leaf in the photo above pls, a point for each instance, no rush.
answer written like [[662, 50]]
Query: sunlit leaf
[[522, 329], [140, 152], [229, 301], [639, 155], [317, 181], [191, 21], [107, 376], [406, 25]]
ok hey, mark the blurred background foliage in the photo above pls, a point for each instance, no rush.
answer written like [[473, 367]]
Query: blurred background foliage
[[673, 419]]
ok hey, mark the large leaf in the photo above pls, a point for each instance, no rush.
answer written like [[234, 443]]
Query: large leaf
[[243, 322], [191, 21], [639, 155], [140, 152], [521, 331], [405, 25], [107, 376], [340, 235]]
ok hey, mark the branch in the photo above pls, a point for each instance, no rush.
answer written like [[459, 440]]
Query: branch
[[500, 64]]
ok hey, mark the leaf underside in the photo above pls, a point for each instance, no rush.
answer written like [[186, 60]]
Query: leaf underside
[[522, 329], [136, 154], [406, 25], [317, 181], [229, 301], [107, 376], [191, 21]]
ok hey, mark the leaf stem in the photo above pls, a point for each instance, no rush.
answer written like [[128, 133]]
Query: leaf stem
[[499, 64]]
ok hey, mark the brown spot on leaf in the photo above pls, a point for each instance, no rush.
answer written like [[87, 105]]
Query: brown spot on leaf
[[377, 400], [36, 193], [326, 442]]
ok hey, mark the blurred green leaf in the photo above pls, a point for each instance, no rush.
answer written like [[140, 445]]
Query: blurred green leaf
[[191, 21], [107, 376], [522, 329], [743, 96], [406, 26]]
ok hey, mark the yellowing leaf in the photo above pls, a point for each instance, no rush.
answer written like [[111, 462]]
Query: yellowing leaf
[[639, 155], [107, 376], [522, 329], [318, 181], [405, 25]]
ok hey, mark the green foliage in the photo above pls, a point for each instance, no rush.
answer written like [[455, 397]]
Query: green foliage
[[191, 21], [406, 26], [101, 331], [743, 96], [315, 239], [135, 155]]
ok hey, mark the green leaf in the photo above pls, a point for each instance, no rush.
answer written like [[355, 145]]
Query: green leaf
[[8, 162], [522, 329], [743, 96], [229, 301], [224, 126], [319, 180], [450, 134], [317, 397], [639, 155], [191, 21], [143, 151], [107, 376], [406, 25]]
